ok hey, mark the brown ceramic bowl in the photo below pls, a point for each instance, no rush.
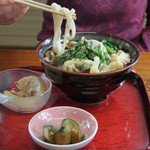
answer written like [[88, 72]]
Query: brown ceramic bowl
[[85, 87]]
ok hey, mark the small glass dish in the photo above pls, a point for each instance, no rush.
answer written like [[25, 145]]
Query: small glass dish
[[22, 104]]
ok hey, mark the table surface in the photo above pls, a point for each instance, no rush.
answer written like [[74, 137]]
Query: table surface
[[18, 58]]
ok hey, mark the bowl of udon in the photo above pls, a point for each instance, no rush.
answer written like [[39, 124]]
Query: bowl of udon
[[92, 66]]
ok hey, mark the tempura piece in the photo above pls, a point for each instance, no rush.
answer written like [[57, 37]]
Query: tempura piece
[[77, 65], [116, 65], [121, 56]]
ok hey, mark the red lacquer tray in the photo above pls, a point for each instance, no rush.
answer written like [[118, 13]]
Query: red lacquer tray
[[123, 119]]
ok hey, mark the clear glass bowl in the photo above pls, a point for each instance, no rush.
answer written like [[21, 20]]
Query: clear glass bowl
[[22, 104]]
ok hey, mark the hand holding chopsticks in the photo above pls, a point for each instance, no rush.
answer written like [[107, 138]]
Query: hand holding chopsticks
[[10, 12], [41, 6]]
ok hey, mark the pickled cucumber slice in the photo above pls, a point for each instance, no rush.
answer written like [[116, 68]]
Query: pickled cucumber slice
[[74, 129], [74, 136], [69, 124], [48, 133], [62, 137]]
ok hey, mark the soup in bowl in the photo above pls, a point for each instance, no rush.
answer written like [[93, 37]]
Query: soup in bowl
[[98, 75]]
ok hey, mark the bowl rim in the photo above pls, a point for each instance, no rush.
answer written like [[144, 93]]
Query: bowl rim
[[63, 146], [36, 72], [91, 74]]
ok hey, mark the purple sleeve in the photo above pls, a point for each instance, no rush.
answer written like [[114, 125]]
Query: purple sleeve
[[143, 40], [123, 18]]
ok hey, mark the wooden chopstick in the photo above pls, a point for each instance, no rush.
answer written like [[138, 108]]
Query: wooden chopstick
[[42, 7]]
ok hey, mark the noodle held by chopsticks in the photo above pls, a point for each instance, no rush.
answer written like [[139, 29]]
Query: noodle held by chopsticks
[[70, 28]]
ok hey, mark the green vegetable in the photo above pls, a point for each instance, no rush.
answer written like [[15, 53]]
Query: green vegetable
[[80, 55], [48, 133], [62, 136], [111, 47], [72, 127], [81, 50]]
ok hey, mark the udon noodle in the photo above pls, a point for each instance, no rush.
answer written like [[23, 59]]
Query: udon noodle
[[70, 28]]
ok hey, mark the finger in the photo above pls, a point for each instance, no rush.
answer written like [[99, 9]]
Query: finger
[[5, 9], [12, 17], [6, 2]]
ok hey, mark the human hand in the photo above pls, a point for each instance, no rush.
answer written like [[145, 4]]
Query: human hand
[[11, 11]]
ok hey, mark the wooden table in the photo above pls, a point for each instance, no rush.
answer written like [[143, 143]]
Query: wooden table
[[17, 58], [14, 126]]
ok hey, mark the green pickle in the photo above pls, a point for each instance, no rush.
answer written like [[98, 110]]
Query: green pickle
[[48, 133], [62, 137], [72, 127], [69, 133]]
